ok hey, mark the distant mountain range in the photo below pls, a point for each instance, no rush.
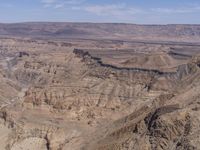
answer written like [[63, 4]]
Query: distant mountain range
[[183, 33]]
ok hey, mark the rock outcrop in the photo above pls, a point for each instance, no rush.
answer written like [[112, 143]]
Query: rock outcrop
[[53, 97]]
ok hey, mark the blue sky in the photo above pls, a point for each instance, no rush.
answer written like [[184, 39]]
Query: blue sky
[[122, 11]]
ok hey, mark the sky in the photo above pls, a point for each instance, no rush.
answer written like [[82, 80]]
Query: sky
[[115, 11]]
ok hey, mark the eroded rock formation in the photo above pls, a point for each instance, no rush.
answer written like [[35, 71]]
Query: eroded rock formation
[[54, 97]]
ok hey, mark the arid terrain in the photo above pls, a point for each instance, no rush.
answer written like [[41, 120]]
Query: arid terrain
[[83, 86]]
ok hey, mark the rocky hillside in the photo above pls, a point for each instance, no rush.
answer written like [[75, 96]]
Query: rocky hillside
[[73, 94]]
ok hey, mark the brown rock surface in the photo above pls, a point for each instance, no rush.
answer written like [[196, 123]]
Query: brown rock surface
[[98, 94]]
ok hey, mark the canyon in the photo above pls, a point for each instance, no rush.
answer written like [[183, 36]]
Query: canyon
[[83, 86]]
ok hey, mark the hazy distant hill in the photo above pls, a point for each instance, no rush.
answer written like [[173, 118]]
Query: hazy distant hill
[[189, 33]]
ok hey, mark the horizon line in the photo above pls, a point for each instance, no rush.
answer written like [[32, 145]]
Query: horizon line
[[88, 22]]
